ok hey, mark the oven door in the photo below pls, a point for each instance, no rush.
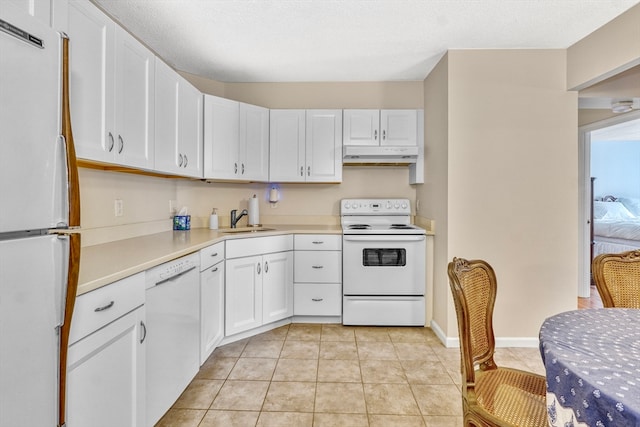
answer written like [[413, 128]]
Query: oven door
[[383, 264]]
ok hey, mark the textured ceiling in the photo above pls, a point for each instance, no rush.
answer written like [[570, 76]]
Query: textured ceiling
[[347, 40]]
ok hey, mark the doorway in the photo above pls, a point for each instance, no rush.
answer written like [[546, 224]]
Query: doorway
[[623, 128]]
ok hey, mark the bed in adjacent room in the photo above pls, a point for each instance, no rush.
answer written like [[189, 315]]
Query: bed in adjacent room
[[616, 225]]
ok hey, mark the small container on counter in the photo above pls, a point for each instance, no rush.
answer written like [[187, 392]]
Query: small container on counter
[[182, 222], [213, 220]]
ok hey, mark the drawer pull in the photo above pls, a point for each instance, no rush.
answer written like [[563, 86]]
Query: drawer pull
[[214, 254], [317, 242], [317, 266], [104, 307], [214, 269], [317, 299]]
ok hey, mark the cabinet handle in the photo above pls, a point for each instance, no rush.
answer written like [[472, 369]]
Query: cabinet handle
[[266, 267], [308, 170], [301, 170], [144, 330], [317, 266], [121, 141], [317, 299], [384, 134], [375, 134], [104, 307], [214, 254], [214, 269], [112, 142], [317, 242], [179, 160], [243, 169], [186, 160], [235, 168], [259, 268]]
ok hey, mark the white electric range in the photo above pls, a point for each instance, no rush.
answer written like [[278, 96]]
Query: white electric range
[[383, 263]]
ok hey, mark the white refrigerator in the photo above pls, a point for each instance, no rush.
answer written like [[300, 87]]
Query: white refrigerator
[[39, 214]]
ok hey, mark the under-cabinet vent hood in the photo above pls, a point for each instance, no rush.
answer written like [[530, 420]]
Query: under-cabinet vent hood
[[359, 154]]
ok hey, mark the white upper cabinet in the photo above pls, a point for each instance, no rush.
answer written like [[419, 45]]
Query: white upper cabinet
[[380, 127], [236, 140], [40, 9], [254, 143], [305, 146], [178, 123], [111, 90], [221, 137]]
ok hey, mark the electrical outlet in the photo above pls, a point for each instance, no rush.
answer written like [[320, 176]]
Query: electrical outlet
[[118, 206]]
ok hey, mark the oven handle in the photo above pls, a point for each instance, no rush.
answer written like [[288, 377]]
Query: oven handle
[[383, 238]]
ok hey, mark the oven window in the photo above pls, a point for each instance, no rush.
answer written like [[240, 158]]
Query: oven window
[[381, 257]]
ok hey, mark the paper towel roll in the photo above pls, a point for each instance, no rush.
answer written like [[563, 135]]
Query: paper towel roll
[[254, 213]]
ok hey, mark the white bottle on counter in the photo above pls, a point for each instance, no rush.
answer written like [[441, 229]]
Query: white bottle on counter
[[213, 220]]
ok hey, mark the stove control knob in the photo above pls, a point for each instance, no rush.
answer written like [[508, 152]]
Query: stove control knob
[[397, 205], [347, 205], [404, 206], [388, 205]]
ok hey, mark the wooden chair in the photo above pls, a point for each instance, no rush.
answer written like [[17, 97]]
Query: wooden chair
[[617, 278], [491, 396]]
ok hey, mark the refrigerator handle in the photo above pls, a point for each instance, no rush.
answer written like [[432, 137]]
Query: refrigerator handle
[[73, 271], [67, 133]]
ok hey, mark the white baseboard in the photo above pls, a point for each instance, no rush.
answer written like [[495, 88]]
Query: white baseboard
[[451, 342]]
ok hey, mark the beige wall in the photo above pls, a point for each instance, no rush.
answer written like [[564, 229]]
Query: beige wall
[[433, 194], [613, 48], [511, 181]]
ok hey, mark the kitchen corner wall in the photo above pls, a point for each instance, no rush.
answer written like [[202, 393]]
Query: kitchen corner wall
[[146, 198]]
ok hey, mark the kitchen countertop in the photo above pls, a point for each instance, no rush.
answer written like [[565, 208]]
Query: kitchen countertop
[[109, 262]]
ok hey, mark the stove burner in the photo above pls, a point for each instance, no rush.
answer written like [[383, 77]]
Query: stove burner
[[359, 227]]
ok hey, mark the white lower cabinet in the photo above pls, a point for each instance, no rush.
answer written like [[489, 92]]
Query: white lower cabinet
[[318, 275], [106, 358], [259, 286], [211, 299]]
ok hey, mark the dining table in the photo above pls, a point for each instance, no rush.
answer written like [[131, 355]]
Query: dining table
[[592, 364]]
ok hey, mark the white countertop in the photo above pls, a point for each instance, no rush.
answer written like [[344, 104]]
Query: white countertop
[[106, 263]]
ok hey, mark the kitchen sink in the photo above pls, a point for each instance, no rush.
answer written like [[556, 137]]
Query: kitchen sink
[[245, 230]]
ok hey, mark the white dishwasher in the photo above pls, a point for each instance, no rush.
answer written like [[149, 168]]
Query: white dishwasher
[[173, 332]]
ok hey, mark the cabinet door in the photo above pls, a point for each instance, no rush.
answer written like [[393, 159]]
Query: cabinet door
[[243, 294], [134, 102], [106, 375], [254, 143], [399, 127], [286, 145], [40, 9], [277, 286], [211, 309], [91, 81], [190, 128], [324, 146], [166, 119], [361, 127], [221, 133]]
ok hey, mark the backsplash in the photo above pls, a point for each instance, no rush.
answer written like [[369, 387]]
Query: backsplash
[[145, 200]]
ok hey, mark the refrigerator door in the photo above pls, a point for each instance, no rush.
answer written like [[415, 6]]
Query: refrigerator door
[[32, 282], [33, 177]]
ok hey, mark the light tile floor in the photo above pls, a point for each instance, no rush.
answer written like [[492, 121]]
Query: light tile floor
[[332, 375]]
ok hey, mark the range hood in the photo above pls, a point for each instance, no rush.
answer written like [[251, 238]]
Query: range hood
[[376, 154]]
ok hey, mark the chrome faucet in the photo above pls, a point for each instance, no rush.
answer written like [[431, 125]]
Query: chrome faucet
[[234, 219]]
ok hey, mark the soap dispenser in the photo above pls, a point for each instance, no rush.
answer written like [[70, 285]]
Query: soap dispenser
[[213, 220]]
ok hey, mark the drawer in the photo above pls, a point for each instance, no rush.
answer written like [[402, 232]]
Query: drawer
[[317, 299], [317, 266], [211, 255], [98, 308], [251, 246], [317, 242]]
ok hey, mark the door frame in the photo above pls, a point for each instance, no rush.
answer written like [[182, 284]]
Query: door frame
[[584, 187]]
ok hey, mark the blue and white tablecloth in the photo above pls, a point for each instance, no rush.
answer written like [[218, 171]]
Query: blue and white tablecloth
[[592, 360]]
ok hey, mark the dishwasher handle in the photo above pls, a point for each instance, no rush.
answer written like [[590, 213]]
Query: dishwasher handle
[[181, 273]]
